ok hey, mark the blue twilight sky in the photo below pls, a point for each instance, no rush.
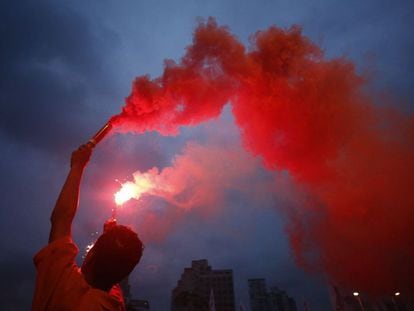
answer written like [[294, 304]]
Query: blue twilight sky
[[66, 68]]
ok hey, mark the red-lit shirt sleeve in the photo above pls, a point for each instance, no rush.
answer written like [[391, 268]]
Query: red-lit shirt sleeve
[[61, 286], [51, 263]]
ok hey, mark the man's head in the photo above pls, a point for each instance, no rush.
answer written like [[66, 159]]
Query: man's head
[[113, 257]]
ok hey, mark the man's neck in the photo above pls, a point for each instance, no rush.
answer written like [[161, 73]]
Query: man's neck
[[97, 285]]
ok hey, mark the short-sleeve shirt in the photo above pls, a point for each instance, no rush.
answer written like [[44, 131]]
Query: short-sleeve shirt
[[60, 284]]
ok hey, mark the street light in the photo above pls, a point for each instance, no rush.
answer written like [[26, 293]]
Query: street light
[[396, 294], [356, 295]]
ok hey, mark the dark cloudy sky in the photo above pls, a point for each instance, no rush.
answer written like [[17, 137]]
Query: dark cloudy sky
[[66, 67]]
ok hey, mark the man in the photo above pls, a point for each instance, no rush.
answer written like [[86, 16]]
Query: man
[[60, 284]]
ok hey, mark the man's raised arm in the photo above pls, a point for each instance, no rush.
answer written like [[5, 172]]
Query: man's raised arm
[[67, 203]]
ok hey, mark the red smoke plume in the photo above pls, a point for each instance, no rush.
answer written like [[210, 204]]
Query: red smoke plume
[[314, 118]]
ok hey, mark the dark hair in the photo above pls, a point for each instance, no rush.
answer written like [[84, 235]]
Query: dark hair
[[115, 254]]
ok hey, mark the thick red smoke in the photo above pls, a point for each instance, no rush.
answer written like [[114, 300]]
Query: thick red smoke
[[314, 118]]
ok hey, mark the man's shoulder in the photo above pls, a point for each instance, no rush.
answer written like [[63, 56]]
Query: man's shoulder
[[63, 248], [96, 299], [57, 275]]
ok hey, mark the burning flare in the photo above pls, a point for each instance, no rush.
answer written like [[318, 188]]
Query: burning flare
[[143, 183], [100, 134]]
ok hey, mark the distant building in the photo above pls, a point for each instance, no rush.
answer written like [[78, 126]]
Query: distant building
[[346, 300], [280, 301], [138, 305], [132, 304], [258, 295], [202, 288], [262, 299], [126, 289]]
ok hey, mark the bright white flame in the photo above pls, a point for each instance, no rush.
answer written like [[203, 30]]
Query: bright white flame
[[143, 183], [127, 191], [355, 294], [397, 294]]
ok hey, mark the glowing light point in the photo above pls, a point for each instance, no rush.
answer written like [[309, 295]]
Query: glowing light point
[[127, 192], [143, 183], [356, 294], [397, 294]]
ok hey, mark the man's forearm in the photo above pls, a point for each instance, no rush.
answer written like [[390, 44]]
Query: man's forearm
[[66, 205], [68, 199], [67, 202]]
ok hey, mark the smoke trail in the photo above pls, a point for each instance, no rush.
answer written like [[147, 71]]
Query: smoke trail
[[312, 117], [199, 177]]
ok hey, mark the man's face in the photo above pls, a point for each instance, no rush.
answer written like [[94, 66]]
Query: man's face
[[89, 259], [87, 264]]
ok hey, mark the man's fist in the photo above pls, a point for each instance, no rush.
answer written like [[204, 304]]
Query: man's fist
[[81, 156]]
